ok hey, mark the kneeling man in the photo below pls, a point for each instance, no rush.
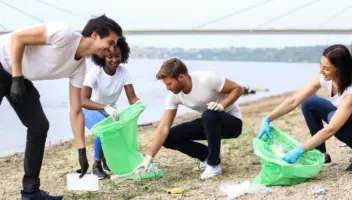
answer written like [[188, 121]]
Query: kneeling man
[[215, 98]]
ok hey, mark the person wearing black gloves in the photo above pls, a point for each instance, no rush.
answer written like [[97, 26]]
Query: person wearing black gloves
[[50, 51]]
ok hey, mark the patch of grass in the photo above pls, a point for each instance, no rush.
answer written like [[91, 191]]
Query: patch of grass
[[85, 195], [129, 195]]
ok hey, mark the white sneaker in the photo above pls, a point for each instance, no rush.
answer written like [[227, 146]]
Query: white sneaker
[[211, 171]]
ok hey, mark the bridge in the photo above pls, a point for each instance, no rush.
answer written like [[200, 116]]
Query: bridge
[[229, 31], [200, 30]]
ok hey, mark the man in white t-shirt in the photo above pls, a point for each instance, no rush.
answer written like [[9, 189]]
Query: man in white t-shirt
[[102, 88], [50, 51], [208, 93]]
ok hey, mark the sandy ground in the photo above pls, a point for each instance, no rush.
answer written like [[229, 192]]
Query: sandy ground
[[239, 163]]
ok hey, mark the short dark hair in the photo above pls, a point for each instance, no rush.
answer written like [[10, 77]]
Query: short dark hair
[[124, 49], [340, 57], [172, 68], [102, 25]]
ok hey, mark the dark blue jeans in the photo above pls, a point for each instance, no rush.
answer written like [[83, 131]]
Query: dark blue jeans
[[92, 117], [212, 126], [316, 110]]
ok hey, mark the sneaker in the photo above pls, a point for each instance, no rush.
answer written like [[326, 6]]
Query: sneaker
[[327, 159], [99, 172], [106, 169], [349, 168], [211, 171], [105, 166], [39, 195]]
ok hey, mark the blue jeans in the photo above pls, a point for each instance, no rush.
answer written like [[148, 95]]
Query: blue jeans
[[91, 118], [212, 126], [316, 110]]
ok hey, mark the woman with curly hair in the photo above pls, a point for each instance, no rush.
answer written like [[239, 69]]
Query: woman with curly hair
[[101, 89]]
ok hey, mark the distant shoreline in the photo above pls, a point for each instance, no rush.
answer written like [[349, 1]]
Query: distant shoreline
[[303, 54]]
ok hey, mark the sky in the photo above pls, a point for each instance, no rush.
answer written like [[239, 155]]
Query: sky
[[187, 14]]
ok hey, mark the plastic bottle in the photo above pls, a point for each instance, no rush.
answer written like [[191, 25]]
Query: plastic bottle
[[246, 187]]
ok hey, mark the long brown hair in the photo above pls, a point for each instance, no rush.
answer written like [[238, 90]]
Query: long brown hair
[[341, 58]]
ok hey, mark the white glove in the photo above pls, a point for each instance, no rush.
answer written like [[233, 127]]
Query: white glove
[[113, 112], [138, 101], [145, 164], [215, 106]]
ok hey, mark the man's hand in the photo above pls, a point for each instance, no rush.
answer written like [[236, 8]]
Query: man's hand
[[18, 89], [83, 162], [113, 112], [215, 106], [145, 164]]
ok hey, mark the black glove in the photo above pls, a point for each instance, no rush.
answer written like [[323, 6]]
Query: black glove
[[83, 162], [17, 89]]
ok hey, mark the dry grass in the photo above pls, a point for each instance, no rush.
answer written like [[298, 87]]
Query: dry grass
[[238, 163]]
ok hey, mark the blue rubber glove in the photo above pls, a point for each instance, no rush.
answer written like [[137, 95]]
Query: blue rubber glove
[[293, 155], [265, 128]]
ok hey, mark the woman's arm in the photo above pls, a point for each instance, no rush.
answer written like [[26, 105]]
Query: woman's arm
[[291, 103], [87, 103], [342, 114], [131, 95]]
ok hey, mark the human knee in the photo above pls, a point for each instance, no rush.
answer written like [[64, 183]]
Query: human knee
[[209, 116], [168, 143], [330, 115], [170, 140], [40, 127], [308, 103]]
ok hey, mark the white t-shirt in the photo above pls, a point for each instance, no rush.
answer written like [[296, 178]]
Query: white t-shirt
[[55, 60], [106, 89], [335, 100], [206, 87]]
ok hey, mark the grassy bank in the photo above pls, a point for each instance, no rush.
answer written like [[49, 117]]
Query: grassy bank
[[238, 163]]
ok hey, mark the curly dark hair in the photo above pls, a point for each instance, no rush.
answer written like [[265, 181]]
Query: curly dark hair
[[125, 52], [124, 48]]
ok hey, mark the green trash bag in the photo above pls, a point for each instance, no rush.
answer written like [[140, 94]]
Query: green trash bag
[[119, 141], [276, 171]]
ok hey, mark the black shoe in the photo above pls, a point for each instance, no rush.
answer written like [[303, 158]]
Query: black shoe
[[99, 172], [40, 195], [349, 168], [327, 159], [105, 166]]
